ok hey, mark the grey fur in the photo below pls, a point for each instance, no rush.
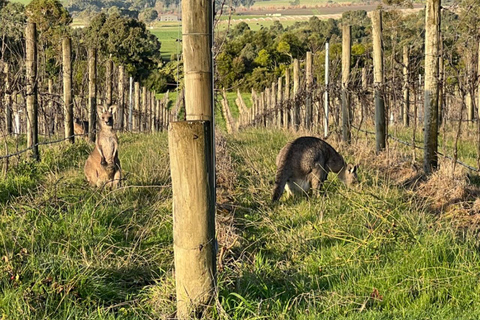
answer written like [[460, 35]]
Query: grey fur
[[304, 164]]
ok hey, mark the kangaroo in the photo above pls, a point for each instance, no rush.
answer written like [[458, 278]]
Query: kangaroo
[[80, 127], [304, 164], [103, 166]]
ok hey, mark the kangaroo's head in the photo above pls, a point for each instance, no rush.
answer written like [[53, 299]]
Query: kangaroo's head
[[106, 116], [349, 174]]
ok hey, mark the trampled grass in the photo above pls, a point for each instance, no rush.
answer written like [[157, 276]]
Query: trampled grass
[[376, 251]]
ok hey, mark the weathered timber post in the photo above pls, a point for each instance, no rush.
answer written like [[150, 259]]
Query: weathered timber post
[[192, 150], [346, 58], [92, 93], [286, 98], [137, 113], [143, 123], [121, 96], [432, 35], [108, 82], [326, 100], [296, 86], [153, 112], [8, 101], [380, 131], [51, 109], [308, 93], [130, 105], [406, 88], [158, 112], [67, 89], [32, 88], [273, 103], [478, 105], [280, 110]]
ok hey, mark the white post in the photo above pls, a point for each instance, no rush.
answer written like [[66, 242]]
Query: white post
[[326, 90], [130, 106]]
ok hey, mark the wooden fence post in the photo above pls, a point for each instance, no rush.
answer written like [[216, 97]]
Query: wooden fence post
[[92, 93], [380, 131], [273, 103], [346, 58], [432, 35], [326, 100], [52, 112], [137, 113], [406, 88], [143, 123], [121, 96], [308, 92], [280, 108], [108, 82], [286, 98], [296, 86], [8, 101], [192, 154], [67, 89], [32, 88]]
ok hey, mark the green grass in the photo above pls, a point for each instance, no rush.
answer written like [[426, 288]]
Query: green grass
[[168, 33], [372, 252]]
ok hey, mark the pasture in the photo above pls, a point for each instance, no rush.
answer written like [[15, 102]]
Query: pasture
[[382, 250]]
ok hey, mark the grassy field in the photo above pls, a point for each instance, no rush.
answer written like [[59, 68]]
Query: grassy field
[[378, 251]]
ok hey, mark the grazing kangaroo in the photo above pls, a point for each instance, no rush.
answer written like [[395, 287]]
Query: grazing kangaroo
[[103, 166], [304, 164]]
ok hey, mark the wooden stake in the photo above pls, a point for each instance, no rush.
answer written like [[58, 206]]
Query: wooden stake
[[432, 35], [32, 89], [346, 58], [67, 89], [378, 80], [92, 93]]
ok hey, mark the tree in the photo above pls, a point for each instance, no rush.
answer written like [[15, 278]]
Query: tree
[[149, 15], [128, 42]]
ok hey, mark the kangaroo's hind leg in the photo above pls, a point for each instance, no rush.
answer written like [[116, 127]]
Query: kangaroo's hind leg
[[318, 176]]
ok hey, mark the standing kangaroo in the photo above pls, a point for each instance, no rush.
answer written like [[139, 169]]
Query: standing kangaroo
[[304, 164], [103, 166]]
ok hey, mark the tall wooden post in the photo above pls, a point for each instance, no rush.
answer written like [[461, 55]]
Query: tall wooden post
[[143, 124], [191, 145], [108, 82], [67, 89], [406, 88], [137, 113], [380, 131], [432, 35], [153, 111], [286, 98], [130, 105], [346, 58], [32, 88], [296, 86], [281, 110], [308, 93], [8, 101], [326, 100], [92, 93], [121, 96], [52, 112]]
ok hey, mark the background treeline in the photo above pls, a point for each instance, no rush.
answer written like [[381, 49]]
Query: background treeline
[[124, 40], [254, 59]]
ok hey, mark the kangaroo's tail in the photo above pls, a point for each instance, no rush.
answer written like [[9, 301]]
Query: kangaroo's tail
[[280, 181]]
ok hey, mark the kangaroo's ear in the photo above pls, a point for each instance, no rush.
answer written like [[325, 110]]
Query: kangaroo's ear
[[113, 108], [100, 109]]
